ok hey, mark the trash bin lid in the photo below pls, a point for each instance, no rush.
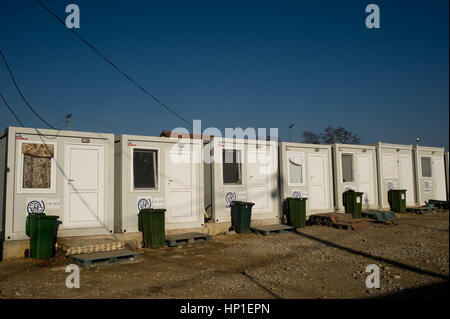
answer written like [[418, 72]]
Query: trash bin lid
[[152, 210], [43, 216], [237, 202], [297, 198]]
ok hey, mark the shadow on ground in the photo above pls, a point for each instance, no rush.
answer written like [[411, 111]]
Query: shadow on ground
[[434, 291]]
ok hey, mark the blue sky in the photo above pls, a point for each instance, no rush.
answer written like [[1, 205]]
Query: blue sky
[[234, 64]]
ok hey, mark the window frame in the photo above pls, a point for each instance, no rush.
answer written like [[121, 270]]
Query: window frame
[[158, 173], [303, 183], [241, 173], [431, 167], [353, 167], [20, 162]]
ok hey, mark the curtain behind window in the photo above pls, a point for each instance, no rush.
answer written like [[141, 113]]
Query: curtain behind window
[[37, 165]]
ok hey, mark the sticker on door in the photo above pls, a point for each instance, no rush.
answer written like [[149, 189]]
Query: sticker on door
[[427, 186]]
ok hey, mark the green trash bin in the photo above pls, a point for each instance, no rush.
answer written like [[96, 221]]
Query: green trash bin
[[42, 230], [353, 203], [397, 200], [241, 214], [151, 224], [296, 211]]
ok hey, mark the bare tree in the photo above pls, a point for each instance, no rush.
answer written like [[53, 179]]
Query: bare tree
[[311, 138], [331, 135]]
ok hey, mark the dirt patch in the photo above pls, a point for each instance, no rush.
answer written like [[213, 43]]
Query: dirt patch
[[318, 262]]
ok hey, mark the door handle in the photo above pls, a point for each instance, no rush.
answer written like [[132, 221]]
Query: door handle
[[71, 180]]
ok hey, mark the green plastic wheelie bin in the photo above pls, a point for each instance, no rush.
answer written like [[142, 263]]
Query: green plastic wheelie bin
[[152, 225], [241, 214], [353, 203], [397, 200], [296, 211], [42, 230]]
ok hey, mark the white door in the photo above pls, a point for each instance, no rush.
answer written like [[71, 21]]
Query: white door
[[181, 184], [317, 172], [365, 178], [439, 178], [390, 166], [406, 177], [84, 185], [259, 180]]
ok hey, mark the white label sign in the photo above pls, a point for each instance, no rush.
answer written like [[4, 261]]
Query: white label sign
[[298, 193], [38, 205], [242, 196], [427, 186], [158, 202], [53, 203]]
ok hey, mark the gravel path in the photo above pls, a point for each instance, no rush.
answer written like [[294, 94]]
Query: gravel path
[[318, 262]]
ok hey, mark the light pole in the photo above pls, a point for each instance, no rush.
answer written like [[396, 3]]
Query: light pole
[[69, 120], [290, 126]]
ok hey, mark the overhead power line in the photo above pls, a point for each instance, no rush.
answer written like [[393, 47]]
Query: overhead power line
[[11, 110], [114, 65], [23, 97]]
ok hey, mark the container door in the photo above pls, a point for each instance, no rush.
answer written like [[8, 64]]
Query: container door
[[318, 181], [365, 178], [406, 177], [84, 186], [439, 178], [390, 166], [180, 180], [259, 180]]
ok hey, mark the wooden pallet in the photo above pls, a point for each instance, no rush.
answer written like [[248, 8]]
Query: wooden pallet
[[338, 220], [442, 204], [105, 258], [420, 210], [187, 239], [273, 229], [90, 244]]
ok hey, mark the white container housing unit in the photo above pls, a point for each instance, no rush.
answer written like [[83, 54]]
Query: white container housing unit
[[447, 175], [65, 173], [395, 171], [242, 170], [430, 173], [306, 171], [355, 168], [158, 172]]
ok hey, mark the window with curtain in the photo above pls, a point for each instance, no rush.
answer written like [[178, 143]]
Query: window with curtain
[[232, 166], [295, 173], [347, 168], [296, 161], [37, 165], [426, 166]]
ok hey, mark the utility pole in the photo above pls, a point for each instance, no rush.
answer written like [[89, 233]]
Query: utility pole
[[69, 120], [290, 126]]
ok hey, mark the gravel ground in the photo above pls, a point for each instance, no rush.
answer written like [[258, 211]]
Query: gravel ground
[[317, 262]]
